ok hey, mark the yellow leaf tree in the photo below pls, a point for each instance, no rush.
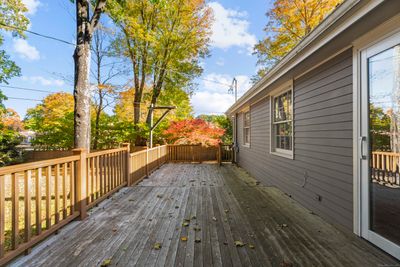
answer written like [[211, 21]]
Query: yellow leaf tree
[[53, 121], [289, 21], [164, 42]]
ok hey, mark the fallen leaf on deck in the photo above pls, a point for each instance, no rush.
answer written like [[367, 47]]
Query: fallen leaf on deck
[[114, 229], [106, 262], [226, 211], [185, 224], [214, 219], [252, 246], [184, 238], [286, 264], [239, 244], [197, 240], [157, 246], [131, 200]]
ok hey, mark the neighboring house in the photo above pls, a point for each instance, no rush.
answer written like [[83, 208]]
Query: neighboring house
[[305, 126], [26, 143]]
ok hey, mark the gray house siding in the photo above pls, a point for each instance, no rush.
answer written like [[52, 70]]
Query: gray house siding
[[322, 143]]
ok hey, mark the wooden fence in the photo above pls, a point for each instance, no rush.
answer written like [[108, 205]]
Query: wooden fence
[[385, 168], [38, 198], [226, 152], [198, 153]]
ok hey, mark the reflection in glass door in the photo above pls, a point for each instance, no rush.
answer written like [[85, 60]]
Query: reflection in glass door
[[383, 79]]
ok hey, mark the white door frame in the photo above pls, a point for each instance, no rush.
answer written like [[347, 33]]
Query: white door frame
[[384, 36]]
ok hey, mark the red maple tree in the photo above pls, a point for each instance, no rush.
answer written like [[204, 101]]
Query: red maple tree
[[194, 132]]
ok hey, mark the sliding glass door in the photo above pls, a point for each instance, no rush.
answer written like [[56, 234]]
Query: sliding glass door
[[380, 144]]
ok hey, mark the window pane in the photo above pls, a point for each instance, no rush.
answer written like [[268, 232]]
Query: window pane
[[283, 133], [289, 110], [283, 107], [246, 136], [247, 119]]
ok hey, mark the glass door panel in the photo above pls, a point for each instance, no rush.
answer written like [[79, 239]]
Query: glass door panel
[[384, 141]]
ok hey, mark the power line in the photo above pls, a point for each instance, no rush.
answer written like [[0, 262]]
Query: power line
[[69, 43], [26, 89], [36, 33], [27, 99]]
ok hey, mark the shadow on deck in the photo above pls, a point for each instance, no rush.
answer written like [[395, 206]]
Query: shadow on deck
[[220, 206]]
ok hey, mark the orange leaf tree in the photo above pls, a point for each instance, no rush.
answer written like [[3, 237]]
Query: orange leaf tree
[[289, 21], [194, 132]]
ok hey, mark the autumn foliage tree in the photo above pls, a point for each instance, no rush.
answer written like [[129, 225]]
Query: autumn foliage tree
[[163, 41], [53, 121], [11, 14], [194, 132], [289, 21], [10, 125]]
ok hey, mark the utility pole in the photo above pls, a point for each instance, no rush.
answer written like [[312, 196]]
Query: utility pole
[[151, 126], [233, 88]]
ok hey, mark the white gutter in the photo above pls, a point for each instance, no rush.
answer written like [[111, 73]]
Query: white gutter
[[308, 42]]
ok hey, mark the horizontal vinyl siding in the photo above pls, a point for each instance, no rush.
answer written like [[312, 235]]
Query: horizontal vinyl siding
[[322, 143]]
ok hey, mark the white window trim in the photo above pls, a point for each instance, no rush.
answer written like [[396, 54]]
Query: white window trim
[[244, 118], [288, 86]]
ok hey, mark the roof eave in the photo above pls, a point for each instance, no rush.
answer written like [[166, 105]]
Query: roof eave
[[308, 42]]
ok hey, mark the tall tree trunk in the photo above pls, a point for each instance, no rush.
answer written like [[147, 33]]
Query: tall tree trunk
[[84, 30], [82, 85], [156, 91]]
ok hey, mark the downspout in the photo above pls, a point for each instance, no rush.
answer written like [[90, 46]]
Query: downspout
[[235, 141]]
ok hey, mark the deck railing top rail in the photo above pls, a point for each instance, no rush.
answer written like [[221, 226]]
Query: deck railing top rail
[[104, 152], [35, 165]]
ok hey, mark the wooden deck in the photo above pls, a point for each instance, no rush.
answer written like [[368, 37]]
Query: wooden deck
[[221, 205]]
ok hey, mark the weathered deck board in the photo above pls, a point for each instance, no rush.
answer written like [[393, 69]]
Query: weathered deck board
[[225, 204]]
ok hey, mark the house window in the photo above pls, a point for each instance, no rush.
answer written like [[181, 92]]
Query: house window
[[282, 123], [246, 128]]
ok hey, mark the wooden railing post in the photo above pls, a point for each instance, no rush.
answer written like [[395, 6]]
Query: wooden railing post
[[128, 164], [219, 154], [80, 183], [147, 162], [158, 155]]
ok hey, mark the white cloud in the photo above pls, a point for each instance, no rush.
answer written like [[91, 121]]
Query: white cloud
[[213, 97], [211, 103], [25, 50], [31, 5], [214, 82], [43, 81], [230, 28]]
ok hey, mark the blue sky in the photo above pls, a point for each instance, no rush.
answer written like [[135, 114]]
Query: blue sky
[[45, 64]]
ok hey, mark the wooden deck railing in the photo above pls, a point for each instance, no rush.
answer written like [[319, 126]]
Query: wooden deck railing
[[385, 167], [144, 162], [105, 174], [38, 198]]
